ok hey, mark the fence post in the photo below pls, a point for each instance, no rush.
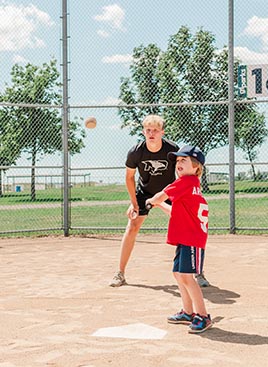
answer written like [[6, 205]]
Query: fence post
[[65, 116], [231, 117]]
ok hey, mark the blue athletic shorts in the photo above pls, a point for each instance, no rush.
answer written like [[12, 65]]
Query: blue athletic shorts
[[188, 259]]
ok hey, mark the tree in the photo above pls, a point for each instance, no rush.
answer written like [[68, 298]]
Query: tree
[[142, 87], [192, 72], [9, 147], [39, 129], [250, 134]]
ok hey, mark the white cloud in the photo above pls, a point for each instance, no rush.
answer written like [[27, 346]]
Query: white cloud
[[114, 127], [18, 59], [103, 33], [117, 59], [250, 57], [258, 27], [110, 101], [18, 26], [113, 15]]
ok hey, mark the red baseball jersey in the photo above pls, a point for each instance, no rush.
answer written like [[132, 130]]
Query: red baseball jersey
[[188, 224]]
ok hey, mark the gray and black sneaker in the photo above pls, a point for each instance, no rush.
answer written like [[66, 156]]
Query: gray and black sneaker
[[118, 280], [181, 318], [201, 280]]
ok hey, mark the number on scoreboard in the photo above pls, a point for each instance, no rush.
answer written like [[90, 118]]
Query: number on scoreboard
[[253, 80]]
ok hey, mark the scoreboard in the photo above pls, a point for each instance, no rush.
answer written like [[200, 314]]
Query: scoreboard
[[253, 81]]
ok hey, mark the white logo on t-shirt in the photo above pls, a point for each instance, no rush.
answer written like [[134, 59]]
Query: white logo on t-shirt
[[155, 166]]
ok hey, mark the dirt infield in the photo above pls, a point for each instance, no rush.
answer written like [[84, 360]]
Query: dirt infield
[[57, 309]]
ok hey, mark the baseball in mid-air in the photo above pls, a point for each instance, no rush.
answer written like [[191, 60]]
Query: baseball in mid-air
[[90, 122]]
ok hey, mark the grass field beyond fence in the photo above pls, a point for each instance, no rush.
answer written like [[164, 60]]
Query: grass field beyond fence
[[87, 212]]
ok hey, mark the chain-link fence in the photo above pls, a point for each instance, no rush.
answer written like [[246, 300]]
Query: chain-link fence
[[66, 61]]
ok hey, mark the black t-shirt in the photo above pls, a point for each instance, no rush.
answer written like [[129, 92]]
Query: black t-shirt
[[155, 170]]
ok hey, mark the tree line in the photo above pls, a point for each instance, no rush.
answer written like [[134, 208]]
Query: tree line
[[36, 131], [191, 70]]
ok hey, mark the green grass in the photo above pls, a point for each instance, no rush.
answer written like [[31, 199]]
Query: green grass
[[112, 216], [78, 193], [251, 212], [26, 219], [44, 196], [240, 187], [117, 192]]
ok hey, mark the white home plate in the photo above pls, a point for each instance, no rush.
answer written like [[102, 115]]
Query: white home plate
[[134, 331]]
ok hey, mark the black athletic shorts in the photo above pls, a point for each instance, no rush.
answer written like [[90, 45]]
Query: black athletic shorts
[[141, 199]]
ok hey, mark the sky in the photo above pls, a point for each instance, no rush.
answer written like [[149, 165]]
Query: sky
[[103, 35]]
